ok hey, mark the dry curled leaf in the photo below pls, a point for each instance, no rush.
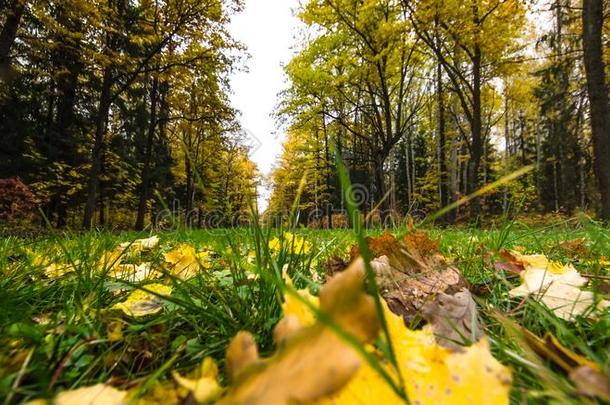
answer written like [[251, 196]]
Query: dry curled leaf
[[411, 271], [591, 382], [454, 319], [550, 348], [586, 375]]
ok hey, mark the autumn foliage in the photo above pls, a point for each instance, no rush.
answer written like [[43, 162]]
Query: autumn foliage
[[17, 201]]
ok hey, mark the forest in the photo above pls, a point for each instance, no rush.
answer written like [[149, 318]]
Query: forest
[[106, 105], [433, 230], [110, 111], [428, 101]]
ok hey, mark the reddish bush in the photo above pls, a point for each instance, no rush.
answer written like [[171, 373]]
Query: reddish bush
[[17, 201]]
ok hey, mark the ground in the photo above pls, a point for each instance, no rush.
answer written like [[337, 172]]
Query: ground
[[62, 325]]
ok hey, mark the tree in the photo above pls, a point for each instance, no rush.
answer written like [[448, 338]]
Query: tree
[[592, 22], [472, 40], [372, 64], [90, 116]]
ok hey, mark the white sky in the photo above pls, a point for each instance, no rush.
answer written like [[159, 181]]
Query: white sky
[[268, 29]]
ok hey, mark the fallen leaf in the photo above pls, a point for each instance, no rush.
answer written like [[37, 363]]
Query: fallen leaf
[[134, 272], [168, 393], [203, 383], [454, 319], [432, 373], [550, 348], [57, 270], [314, 362], [241, 354], [556, 286], [334, 265], [141, 244], [293, 306], [114, 331], [591, 382], [292, 243], [111, 260], [185, 261], [411, 271], [574, 248], [142, 303], [99, 394]]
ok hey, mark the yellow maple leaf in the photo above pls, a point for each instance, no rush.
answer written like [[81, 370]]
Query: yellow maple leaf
[[539, 261], [292, 306], [433, 374], [185, 261], [111, 260], [313, 362], [57, 270]]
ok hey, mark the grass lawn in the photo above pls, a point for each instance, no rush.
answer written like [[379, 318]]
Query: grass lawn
[[60, 327]]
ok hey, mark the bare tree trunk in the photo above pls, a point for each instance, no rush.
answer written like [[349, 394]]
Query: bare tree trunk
[[329, 207], [592, 21], [506, 150], [442, 138], [101, 126], [476, 152], [98, 148], [145, 176]]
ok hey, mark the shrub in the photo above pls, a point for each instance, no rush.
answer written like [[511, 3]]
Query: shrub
[[17, 201]]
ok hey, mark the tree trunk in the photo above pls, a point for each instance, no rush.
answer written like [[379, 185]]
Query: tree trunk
[[145, 176], [442, 139], [592, 21], [476, 151], [68, 58], [329, 207], [8, 35], [98, 148], [101, 126]]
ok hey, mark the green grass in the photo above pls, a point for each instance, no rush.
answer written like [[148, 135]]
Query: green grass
[[54, 332]]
